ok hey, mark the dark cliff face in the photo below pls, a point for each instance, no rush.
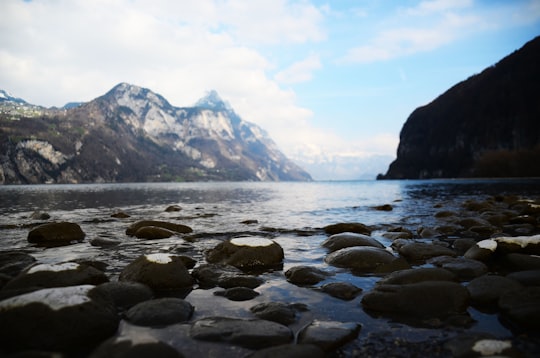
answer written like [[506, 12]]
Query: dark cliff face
[[486, 126], [132, 134]]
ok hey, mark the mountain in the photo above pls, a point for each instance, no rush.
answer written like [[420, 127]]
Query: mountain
[[485, 126], [132, 134]]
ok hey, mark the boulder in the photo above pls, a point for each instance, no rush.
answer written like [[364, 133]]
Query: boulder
[[517, 261], [247, 253], [275, 312], [226, 276], [104, 241], [342, 290], [248, 333], [173, 208], [290, 351], [158, 271], [329, 335], [123, 347], [526, 277], [347, 227], [465, 269], [349, 239], [56, 234], [482, 250], [125, 294], [522, 307], [362, 258], [519, 244], [153, 233], [306, 275], [160, 312], [419, 251], [178, 228], [486, 290], [237, 293], [68, 319], [421, 274], [13, 263]]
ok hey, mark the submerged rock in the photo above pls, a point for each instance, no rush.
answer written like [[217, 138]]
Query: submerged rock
[[238, 293], [226, 276], [349, 239], [178, 228], [329, 335], [123, 347], [277, 312], [160, 312], [306, 275], [56, 234], [342, 290]]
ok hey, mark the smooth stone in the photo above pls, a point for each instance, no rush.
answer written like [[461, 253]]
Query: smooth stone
[[158, 271], [342, 290], [347, 227], [519, 261], [66, 319], [38, 215], [419, 251], [120, 215], [349, 239], [362, 258], [125, 294], [247, 253], [13, 263], [173, 208], [462, 245], [126, 347], [522, 306], [463, 268], [486, 290], [276, 312], [329, 335], [384, 207], [427, 232], [290, 351], [473, 221], [394, 235], [526, 278], [481, 251], [226, 276], [421, 274], [519, 244], [153, 233], [238, 293], [178, 228], [57, 275], [306, 275], [56, 234], [248, 333], [427, 299], [160, 312], [104, 242]]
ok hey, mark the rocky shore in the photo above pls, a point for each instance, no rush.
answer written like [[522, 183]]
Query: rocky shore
[[379, 290]]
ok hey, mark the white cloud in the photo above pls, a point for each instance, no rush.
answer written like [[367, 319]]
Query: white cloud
[[300, 71]]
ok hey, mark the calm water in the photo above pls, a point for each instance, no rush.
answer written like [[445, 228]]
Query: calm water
[[220, 208]]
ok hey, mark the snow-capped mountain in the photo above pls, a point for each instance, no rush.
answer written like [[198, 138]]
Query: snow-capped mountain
[[134, 134]]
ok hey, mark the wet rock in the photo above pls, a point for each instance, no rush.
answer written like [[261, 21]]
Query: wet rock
[[158, 271], [71, 319], [520, 244], [473, 221], [482, 250], [462, 245], [329, 335], [486, 290], [120, 215], [526, 278], [290, 351], [428, 299], [249, 222], [465, 269], [419, 251], [427, 232], [445, 214], [57, 275], [306, 275], [178, 228], [522, 307], [104, 241], [226, 276], [384, 207], [362, 258], [247, 253], [252, 334], [275, 311], [421, 274], [153, 233], [124, 347], [518, 261], [480, 344], [39, 215], [160, 312], [349, 239], [173, 208], [347, 227], [394, 235], [13, 263], [238, 293], [342, 290], [56, 234], [125, 294]]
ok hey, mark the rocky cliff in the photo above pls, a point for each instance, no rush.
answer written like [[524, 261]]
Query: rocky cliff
[[132, 134], [485, 126]]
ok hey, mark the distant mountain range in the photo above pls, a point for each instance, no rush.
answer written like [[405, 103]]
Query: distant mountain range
[[132, 134], [486, 126]]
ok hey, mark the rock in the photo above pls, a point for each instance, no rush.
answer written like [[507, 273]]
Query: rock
[[125, 294], [13, 263], [384, 207], [71, 319], [173, 208], [329, 335], [522, 261], [526, 278], [480, 345], [462, 245], [120, 215], [465, 269], [421, 274], [427, 232], [349, 239], [342, 290], [486, 290], [394, 235], [347, 227], [520, 244], [178, 228], [275, 311], [57, 275], [428, 299], [38, 215], [473, 221], [104, 242], [362, 258], [482, 250], [247, 253], [419, 251], [226, 276], [153, 233], [522, 307], [305, 275], [290, 351], [158, 271], [249, 222], [238, 293], [56, 234], [160, 312], [124, 347], [252, 334]]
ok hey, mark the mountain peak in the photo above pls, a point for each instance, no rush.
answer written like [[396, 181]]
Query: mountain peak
[[213, 101], [127, 94], [6, 96]]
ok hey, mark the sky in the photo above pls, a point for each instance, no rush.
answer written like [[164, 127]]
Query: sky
[[332, 82]]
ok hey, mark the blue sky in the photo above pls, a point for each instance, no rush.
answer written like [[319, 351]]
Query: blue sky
[[331, 81]]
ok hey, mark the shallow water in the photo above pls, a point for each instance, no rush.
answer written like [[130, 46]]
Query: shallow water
[[217, 210]]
